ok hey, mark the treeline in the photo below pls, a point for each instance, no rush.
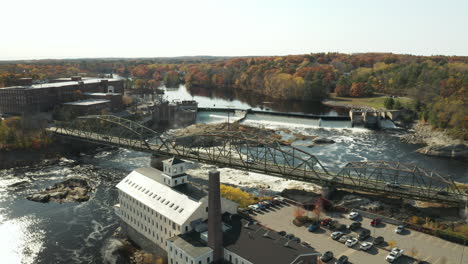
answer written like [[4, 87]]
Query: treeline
[[438, 84], [15, 135]]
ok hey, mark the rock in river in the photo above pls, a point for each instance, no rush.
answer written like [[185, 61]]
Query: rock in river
[[458, 151], [321, 140], [71, 190]]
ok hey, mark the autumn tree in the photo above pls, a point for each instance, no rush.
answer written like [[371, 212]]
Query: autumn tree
[[318, 207], [391, 244], [357, 90], [126, 100], [299, 212], [343, 86]]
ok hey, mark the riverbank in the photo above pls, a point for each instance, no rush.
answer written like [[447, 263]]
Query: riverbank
[[56, 150], [370, 103], [438, 142]]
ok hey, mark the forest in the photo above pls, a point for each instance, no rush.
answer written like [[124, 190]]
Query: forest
[[437, 84]]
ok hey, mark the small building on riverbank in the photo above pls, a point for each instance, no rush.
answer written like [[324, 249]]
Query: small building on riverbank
[[175, 114]]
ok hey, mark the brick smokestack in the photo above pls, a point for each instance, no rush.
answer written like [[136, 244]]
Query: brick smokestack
[[215, 232]]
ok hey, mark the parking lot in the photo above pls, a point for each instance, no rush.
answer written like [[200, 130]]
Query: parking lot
[[429, 248]]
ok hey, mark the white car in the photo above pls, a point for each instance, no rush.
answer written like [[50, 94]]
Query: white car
[[255, 207], [336, 235], [279, 198], [399, 229], [365, 246], [394, 254], [353, 215], [351, 242]]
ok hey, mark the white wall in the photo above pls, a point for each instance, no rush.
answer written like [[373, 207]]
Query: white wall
[[174, 170], [234, 258], [151, 224]]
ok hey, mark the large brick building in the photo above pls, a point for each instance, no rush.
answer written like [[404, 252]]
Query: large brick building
[[28, 99]]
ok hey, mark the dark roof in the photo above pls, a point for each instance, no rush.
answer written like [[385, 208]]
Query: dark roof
[[251, 244], [175, 161], [191, 243], [191, 191], [185, 188]]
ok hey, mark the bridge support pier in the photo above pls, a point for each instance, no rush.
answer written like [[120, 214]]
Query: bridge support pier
[[327, 191], [463, 211]]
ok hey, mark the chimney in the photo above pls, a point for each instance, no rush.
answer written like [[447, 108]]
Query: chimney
[[215, 232]]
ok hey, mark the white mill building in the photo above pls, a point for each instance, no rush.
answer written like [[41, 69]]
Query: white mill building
[[161, 211], [155, 206]]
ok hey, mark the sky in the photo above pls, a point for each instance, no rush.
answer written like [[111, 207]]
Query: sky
[[33, 29]]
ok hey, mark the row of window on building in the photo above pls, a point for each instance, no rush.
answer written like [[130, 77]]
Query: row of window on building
[[155, 196]]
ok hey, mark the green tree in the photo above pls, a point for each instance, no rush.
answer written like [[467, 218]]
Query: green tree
[[389, 102]]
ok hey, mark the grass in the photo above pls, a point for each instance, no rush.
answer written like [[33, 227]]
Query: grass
[[376, 101]]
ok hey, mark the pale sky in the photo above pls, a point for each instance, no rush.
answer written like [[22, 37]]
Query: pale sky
[[37, 29]]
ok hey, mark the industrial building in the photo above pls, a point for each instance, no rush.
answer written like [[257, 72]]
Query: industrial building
[[31, 98], [175, 114], [162, 211]]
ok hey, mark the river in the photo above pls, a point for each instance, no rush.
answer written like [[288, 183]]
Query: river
[[81, 232]]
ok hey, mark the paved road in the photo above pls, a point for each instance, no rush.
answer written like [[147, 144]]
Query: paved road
[[430, 248]]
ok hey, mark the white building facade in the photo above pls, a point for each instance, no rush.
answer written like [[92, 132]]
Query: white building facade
[[161, 205]]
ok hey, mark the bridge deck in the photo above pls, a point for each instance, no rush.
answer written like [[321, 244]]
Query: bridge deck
[[269, 168]]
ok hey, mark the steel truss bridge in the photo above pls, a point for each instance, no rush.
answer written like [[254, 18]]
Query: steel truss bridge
[[256, 154]]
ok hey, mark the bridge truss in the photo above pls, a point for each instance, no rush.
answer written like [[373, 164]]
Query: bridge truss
[[403, 180], [248, 152]]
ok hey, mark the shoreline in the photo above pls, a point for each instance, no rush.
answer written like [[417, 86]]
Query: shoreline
[[437, 143], [331, 102]]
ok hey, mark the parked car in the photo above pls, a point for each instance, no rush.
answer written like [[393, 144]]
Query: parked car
[[261, 206], [355, 226], [250, 161], [326, 221], [289, 236], [442, 193], [275, 202], [313, 227], [365, 233], [394, 254], [282, 233], [393, 184], [399, 229], [344, 238], [327, 256], [333, 225], [375, 222], [279, 198], [353, 215], [336, 235], [255, 207], [296, 239], [341, 227], [342, 260], [351, 242], [378, 240], [305, 244], [365, 246]]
